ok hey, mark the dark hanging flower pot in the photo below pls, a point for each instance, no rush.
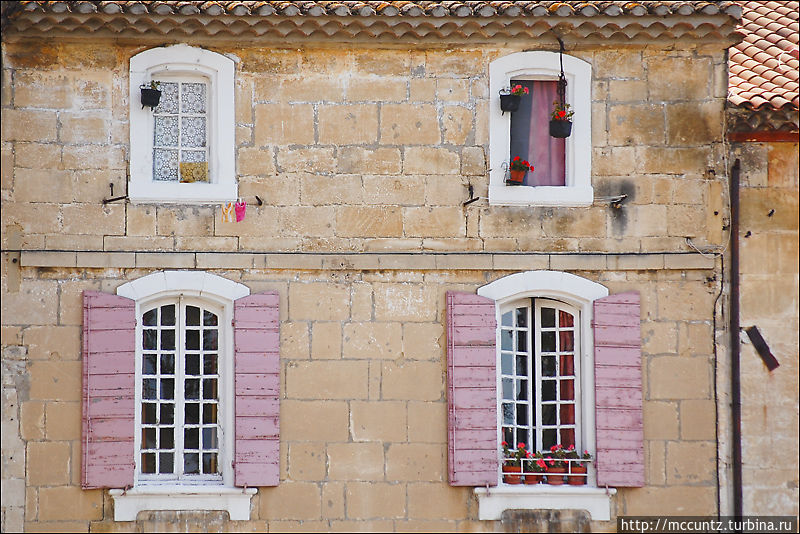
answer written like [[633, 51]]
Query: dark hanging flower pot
[[509, 102], [150, 97], [560, 129]]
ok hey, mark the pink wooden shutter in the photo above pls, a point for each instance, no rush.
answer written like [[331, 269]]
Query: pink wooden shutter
[[256, 339], [618, 391], [109, 363], [471, 390]]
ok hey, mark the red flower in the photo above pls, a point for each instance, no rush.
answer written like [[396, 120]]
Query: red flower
[[541, 463], [562, 114], [520, 445], [504, 444], [528, 454], [553, 448], [571, 448], [552, 462], [516, 158]]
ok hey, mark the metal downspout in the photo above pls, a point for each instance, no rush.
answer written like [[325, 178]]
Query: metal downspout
[[736, 400]]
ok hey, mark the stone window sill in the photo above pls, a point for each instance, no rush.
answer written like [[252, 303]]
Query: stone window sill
[[493, 501], [235, 501]]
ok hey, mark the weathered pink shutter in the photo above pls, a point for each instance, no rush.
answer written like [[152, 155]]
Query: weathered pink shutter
[[618, 391], [109, 372], [256, 337], [471, 390]]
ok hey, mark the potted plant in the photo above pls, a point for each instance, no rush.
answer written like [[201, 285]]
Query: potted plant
[[534, 467], [561, 120], [151, 94], [517, 171], [557, 465], [578, 469], [510, 98], [512, 463]]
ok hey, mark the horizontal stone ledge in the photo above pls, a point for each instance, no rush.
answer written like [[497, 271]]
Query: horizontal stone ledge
[[368, 261]]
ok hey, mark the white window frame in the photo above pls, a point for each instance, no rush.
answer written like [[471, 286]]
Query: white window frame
[[189, 62], [579, 293], [540, 65], [154, 494]]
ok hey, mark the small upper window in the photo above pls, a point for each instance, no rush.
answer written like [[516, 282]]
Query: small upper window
[[182, 150], [562, 167]]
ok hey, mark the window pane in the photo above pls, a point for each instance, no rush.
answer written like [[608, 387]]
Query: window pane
[[167, 364], [148, 438], [166, 463], [191, 438], [149, 386], [522, 317], [548, 414], [522, 414], [209, 413], [192, 316], [168, 340], [169, 98], [192, 388], [567, 389], [548, 341], [567, 436], [565, 319], [149, 318], [506, 363], [210, 388], [193, 132], [209, 438], [209, 340], [148, 462], [210, 364], [548, 390], [168, 315], [193, 340], [167, 388], [548, 366], [209, 462], [191, 463], [193, 97], [165, 164], [522, 365], [506, 340], [167, 438], [548, 317], [192, 364], [508, 414], [192, 413], [508, 435], [209, 319], [149, 413], [565, 362], [566, 340], [522, 391], [548, 438], [193, 156], [166, 131], [508, 388], [149, 364], [507, 319], [167, 414], [149, 339], [522, 341]]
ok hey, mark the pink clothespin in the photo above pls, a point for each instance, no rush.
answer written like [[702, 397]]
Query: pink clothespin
[[241, 209]]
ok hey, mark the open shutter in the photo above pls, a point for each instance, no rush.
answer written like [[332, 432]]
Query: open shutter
[[471, 390], [256, 337], [109, 372], [618, 391]]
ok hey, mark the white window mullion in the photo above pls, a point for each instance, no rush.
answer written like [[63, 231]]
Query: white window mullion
[[537, 356], [180, 341]]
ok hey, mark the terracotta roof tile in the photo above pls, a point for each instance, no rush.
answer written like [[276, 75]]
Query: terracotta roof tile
[[764, 66]]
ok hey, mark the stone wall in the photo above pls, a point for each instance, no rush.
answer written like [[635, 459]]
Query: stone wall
[[376, 150]]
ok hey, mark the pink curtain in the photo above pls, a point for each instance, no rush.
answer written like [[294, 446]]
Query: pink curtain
[[547, 152]]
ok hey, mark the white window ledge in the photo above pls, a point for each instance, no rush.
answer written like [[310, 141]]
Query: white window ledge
[[492, 502], [236, 501]]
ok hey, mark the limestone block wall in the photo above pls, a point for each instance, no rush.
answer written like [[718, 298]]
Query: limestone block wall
[[769, 300]]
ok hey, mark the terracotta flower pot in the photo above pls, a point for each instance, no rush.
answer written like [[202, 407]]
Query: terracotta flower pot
[[516, 177], [512, 474], [509, 102], [533, 478], [560, 129], [555, 475], [577, 475]]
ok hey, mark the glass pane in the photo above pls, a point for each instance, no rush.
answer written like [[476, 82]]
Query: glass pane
[[522, 317], [210, 364], [522, 415], [149, 364], [209, 413], [165, 164], [209, 438], [193, 131], [508, 435], [548, 390], [209, 340], [149, 413], [508, 388], [210, 388], [193, 156], [193, 97], [192, 340], [167, 439], [192, 413], [149, 339], [191, 438], [191, 463], [166, 464], [522, 390], [507, 319], [548, 366], [506, 340], [149, 318], [167, 388], [192, 364], [168, 340], [548, 438], [565, 319], [548, 414], [167, 364], [522, 365], [166, 131], [522, 341], [192, 388], [168, 315], [148, 438], [566, 340], [149, 386], [567, 388], [169, 98], [548, 317], [209, 462], [567, 436], [209, 319], [548, 341], [565, 365], [148, 462], [508, 415], [506, 363], [192, 316], [167, 414]]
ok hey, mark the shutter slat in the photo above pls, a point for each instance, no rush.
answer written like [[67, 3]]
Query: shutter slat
[[257, 385], [472, 391], [108, 407], [618, 391]]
